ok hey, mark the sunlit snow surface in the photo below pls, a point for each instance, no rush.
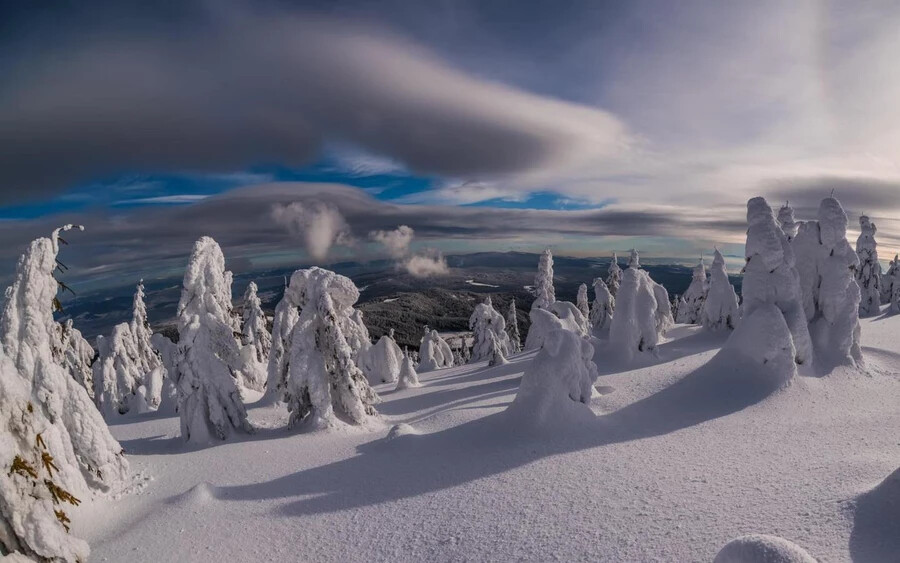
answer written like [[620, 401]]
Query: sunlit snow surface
[[677, 464]]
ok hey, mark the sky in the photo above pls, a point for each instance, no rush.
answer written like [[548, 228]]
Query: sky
[[296, 132]]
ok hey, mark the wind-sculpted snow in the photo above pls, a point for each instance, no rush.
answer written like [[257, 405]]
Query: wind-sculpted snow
[[720, 308], [581, 301], [761, 548]]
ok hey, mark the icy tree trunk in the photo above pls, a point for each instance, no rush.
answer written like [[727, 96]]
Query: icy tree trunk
[[544, 292], [868, 275], [720, 309]]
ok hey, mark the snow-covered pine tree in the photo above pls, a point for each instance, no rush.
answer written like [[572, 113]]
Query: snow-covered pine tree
[[117, 372], [498, 357], [357, 335], [772, 286], [887, 280], [484, 322], [895, 293], [147, 357], [720, 309], [786, 221], [75, 354], [324, 386], [635, 323], [208, 359], [408, 376], [255, 339], [287, 312], [383, 361], [582, 302], [434, 352], [512, 328], [691, 304], [544, 292], [602, 310], [54, 446], [868, 276], [614, 275]]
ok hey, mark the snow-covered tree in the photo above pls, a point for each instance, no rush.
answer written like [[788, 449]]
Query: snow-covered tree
[[408, 376], [895, 293], [434, 352], [561, 314], [544, 292], [557, 385], [117, 373], [74, 353], [484, 322], [208, 359], [498, 357], [602, 310], [827, 268], [664, 318], [635, 323], [690, 305], [720, 309], [287, 312], [147, 358], [512, 328], [887, 280], [55, 448], [868, 276], [614, 277], [582, 302], [786, 221], [383, 361], [357, 334], [256, 340], [324, 387], [771, 281]]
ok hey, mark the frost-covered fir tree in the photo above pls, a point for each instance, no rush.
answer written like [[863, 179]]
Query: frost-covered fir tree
[[786, 221], [895, 293], [544, 292], [557, 385], [868, 275], [720, 309], [772, 286], [55, 449], [147, 358], [602, 310], [484, 323], [287, 312], [434, 352], [582, 302], [664, 318], [690, 305], [827, 267], [498, 356], [75, 354], [117, 372], [324, 387], [255, 339], [512, 328], [383, 361], [614, 275], [208, 359], [635, 323], [408, 376], [887, 280]]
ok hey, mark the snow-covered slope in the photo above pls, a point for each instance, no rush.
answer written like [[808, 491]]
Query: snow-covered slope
[[685, 455]]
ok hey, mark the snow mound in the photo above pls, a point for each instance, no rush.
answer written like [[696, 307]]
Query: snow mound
[[761, 548], [876, 522], [762, 342], [402, 429], [200, 494]]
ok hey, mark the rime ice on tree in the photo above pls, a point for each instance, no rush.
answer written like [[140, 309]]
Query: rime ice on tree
[[690, 305], [256, 340], [488, 326], [786, 221], [581, 301], [888, 280], [383, 361], [208, 358], [434, 352], [74, 354], [544, 292], [408, 376], [602, 310], [635, 323], [117, 374], [720, 309], [45, 417], [614, 275], [868, 275], [512, 328]]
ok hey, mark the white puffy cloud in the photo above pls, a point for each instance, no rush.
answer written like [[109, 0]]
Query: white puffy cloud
[[320, 225], [426, 263], [396, 241]]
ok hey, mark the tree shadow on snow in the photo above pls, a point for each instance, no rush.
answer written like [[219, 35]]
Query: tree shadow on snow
[[609, 360], [875, 537], [412, 465]]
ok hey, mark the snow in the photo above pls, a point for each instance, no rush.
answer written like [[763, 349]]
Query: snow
[[690, 305], [868, 275], [255, 339], [720, 309], [383, 361], [761, 548], [602, 309], [614, 275], [479, 284], [512, 328], [544, 292], [488, 327], [787, 222], [434, 352], [677, 463], [635, 323]]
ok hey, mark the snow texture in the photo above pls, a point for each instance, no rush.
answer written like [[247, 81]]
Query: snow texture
[[602, 309], [544, 292], [488, 326], [770, 277], [208, 358], [690, 305], [614, 275], [720, 309], [434, 352], [760, 548], [635, 323], [408, 377], [75, 354], [324, 386], [255, 339], [512, 328], [53, 441], [868, 275]]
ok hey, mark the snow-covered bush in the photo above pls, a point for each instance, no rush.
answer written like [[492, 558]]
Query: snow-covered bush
[[887, 280], [117, 374], [383, 361], [786, 221], [690, 305], [434, 352], [54, 446], [486, 322], [557, 385], [512, 328], [827, 267], [602, 310], [208, 359], [564, 315], [614, 275], [408, 376], [544, 292], [720, 309], [868, 275], [770, 277], [761, 548], [324, 387], [635, 323], [74, 353], [255, 339]]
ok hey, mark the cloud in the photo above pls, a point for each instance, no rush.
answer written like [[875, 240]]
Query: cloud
[[319, 224], [426, 264], [245, 86], [396, 241]]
